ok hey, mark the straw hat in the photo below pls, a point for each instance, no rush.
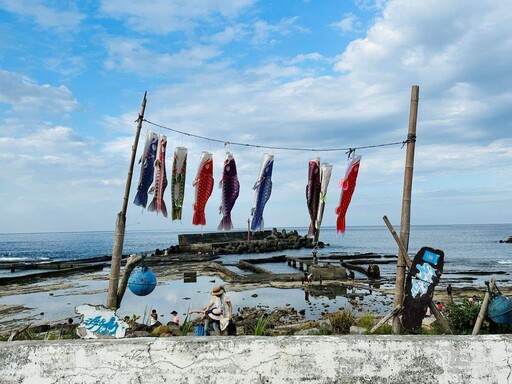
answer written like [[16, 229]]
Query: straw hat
[[215, 314], [217, 291]]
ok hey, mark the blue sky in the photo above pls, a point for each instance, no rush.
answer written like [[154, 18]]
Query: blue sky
[[295, 73]]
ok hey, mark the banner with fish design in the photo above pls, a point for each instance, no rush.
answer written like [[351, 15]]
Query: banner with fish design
[[263, 188], [147, 169], [204, 186], [159, 179], [230, 187], [347, 185], [179, 171]]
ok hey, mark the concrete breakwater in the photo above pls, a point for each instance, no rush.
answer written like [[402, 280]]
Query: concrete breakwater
[[246, 359], [239, 242]]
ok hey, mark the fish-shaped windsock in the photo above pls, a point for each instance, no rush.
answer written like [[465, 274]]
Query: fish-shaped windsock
[[230, 189], [204, 186], [263, 189], [348, 184], [147, 169], [325, 177], [179, 170], [160, 179], [313, 193]]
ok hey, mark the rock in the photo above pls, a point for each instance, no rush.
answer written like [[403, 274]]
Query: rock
[[308, 332], [357, 330], [161, 330], [508, 240], [139, 334], [373, 271]]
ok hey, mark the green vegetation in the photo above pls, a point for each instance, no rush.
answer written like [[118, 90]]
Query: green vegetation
[[462, 316], [365, 321], [186, 327], [341, 322], [261, 325]]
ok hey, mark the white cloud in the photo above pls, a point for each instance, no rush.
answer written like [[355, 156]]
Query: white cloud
[[132, 55], [266, 33], [25, 95], [349, 23], [162, 16], [45, 15]]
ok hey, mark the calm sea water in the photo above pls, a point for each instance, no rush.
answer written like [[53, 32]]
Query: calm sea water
[[466, 247]]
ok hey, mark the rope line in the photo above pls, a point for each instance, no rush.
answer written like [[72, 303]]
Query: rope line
[[350, 149]]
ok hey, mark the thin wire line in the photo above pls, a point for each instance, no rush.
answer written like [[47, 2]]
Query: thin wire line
[[402, 143]]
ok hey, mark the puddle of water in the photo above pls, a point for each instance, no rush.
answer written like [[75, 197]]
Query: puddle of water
[[180, 296]]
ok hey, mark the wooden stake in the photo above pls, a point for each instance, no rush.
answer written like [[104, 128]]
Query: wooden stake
[[117, 251], [405, 222], [483, 309], [384, 320], [433, 308]]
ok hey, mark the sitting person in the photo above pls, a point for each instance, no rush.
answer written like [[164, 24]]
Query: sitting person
[[175, 318]]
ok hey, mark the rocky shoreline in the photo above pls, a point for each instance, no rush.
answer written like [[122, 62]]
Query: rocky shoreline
[[361, 295], [283, 319]]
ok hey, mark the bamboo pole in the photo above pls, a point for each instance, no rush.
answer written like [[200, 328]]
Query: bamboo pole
[[483, 309], [117, 251], [405, 222], [433, 308]]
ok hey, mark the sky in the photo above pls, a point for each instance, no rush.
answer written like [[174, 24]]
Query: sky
[[310, 74]]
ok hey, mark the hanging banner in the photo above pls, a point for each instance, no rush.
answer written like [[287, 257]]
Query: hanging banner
[[263, 188], [230, 187]]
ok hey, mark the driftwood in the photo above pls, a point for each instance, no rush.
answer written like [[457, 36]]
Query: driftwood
[[18, 332], [131, 263], [384, 320]]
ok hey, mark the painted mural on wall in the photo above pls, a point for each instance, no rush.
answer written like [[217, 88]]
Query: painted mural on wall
[[426, 270], [99, 322]]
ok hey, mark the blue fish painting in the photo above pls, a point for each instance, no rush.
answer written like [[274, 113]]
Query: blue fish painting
[[147, 169], [263, 189]]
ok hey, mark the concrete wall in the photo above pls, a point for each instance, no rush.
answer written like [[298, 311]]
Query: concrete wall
[[294, 359]]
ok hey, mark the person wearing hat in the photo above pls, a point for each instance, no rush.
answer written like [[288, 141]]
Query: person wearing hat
[[220, 300], [175, 319], [215, 317]]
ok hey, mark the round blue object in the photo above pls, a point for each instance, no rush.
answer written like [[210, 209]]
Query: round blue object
[[142, 281]]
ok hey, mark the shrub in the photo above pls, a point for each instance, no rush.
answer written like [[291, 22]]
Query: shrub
[[462, 317], [341, 321], [366, 321]]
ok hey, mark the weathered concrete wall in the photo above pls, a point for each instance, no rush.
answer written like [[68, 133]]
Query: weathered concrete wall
[[294, 359]]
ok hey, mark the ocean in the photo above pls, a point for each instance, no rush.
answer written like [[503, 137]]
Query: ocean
[[467, 248]]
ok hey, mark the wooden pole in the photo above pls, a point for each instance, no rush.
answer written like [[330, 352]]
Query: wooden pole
[[405, 222], [483, 310], [117, 251], [385, 319], [433, 308]]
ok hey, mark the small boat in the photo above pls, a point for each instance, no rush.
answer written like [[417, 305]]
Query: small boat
[[500, 307]]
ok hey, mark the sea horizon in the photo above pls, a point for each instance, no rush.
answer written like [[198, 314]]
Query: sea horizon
[[244, 229]]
